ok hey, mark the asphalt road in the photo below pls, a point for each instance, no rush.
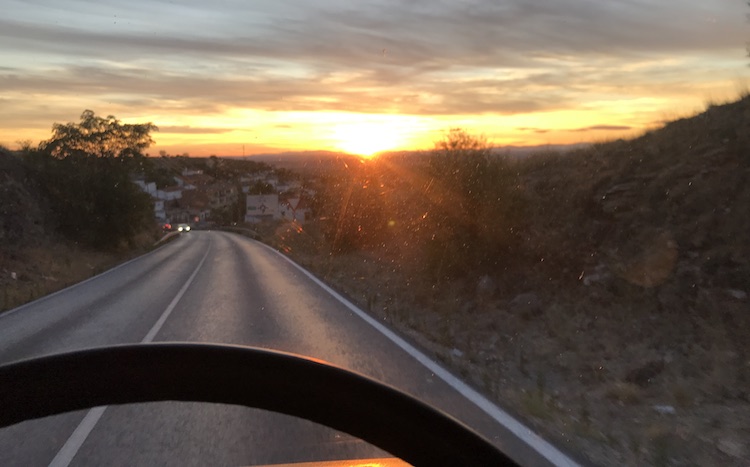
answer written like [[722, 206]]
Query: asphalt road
[[223, 288]]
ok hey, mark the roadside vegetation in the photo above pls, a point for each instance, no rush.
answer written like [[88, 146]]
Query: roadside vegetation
[[601, 294], [70, 209], [83, 175]]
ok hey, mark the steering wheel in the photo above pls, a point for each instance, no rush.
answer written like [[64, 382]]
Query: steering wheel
[[251, 377]]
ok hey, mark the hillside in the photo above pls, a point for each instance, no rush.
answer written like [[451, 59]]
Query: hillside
[[35, 259], [617, 323]]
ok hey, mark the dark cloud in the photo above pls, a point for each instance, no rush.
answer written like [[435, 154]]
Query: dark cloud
[[534, 130], [197, 93], [578, 130], [516, 32], [602, 128], [418, 37]]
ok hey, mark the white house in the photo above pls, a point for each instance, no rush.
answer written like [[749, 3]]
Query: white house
[[184, 182], [256, 177], [169, 194], [159, 212], [147, 187]]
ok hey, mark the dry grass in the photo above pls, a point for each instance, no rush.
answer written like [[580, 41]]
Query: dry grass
[[682, 395], [537, 404], [626, 393], [51, 266]]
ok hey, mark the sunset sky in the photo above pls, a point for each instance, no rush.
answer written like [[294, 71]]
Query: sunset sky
[[223, 77]]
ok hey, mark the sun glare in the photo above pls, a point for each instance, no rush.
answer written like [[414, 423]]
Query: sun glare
[[367, 139]]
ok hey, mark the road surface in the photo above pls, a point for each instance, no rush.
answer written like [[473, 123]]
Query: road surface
[[223, 288]]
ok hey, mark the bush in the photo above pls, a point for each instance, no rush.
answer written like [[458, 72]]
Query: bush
[[93, 199], [475, 207]]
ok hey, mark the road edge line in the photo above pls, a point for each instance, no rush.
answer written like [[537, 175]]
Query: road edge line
[[521, 431]]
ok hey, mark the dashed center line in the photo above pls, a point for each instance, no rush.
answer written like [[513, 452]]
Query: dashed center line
[[65, 455]]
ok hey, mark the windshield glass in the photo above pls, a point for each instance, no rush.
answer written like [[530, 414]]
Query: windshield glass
[[530, 215]]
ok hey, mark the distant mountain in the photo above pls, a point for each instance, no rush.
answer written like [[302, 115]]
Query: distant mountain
[[542, 148], [295, 155], [511, 151], [291, 159], [305, 161]]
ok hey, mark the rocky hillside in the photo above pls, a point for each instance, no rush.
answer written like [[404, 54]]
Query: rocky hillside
[[619, 326], [672, 201], [21, 212]]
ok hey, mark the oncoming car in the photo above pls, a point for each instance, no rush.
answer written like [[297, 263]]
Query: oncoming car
[[183, 228]]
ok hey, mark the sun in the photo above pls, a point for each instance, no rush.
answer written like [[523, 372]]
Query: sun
[[367, 139]]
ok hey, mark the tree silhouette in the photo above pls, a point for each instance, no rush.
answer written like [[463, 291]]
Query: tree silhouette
[[474, 210], [85, 170], [99, 137]]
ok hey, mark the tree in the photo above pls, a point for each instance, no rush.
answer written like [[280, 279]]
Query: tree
[[456, 169], [152, 172], [99, 137], [261, 188], [86, 170], [472, 206], [460, 162]]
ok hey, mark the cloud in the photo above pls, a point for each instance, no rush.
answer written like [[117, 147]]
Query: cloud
[[602, 128], [157, 89], [422, 57], [420, 37], [578, 130], [534, 130]]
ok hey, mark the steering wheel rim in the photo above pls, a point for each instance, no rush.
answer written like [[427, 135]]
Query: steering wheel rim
[[246, 376]]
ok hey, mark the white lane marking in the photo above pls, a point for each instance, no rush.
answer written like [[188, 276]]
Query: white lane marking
[[163, 318], [65, 455], [525, 434]]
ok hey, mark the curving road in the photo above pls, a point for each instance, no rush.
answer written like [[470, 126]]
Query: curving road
[[220, 287]]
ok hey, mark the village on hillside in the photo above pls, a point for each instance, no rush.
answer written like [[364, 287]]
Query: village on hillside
[[201, 199]]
